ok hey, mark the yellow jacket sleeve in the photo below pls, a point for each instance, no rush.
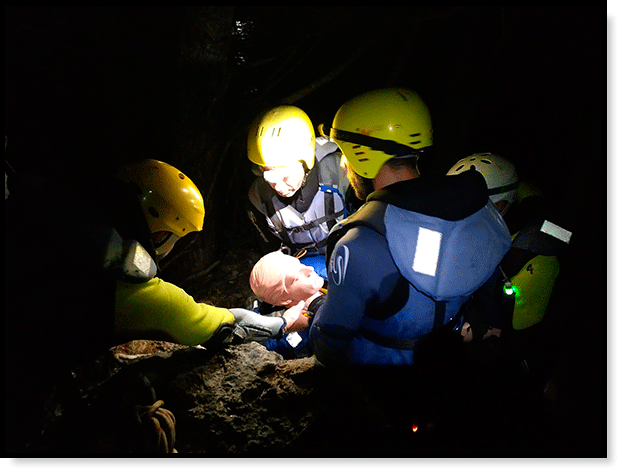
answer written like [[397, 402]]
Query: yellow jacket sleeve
[[158, 307]]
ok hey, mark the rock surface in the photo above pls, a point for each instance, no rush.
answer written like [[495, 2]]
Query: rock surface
[[244, 400]]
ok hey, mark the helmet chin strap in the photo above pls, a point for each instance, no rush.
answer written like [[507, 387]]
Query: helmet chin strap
[[505, 208], [165, 247], [501, 189]]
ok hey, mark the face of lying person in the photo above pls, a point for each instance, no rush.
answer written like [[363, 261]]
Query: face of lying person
[[280, 279], [301, 282]]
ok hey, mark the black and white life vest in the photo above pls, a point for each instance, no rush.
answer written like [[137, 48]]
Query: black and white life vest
[[304, 221]]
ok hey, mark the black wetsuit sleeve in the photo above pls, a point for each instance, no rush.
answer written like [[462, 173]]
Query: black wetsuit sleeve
[[265, 240]]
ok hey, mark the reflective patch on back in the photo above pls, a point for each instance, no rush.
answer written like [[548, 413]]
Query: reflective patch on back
[[427, 251], [446, 259]]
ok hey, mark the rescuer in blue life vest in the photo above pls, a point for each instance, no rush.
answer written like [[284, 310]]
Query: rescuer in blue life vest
[[300, 190], [405, 262]]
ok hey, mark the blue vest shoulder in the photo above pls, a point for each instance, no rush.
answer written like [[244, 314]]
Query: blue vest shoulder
[[446, 259], [441, 258]]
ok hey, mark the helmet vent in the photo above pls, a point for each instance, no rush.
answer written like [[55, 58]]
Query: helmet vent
[[459, 168], [417, 134], [153, 212], [355, 147], [486, 161]]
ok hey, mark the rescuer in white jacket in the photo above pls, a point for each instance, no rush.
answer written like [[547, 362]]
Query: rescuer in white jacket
[[299, 194]]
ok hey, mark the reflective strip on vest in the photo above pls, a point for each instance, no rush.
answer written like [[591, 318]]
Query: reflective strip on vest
[[556, 231], [427, 251]]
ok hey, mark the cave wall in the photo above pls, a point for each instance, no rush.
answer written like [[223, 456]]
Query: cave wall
[[87, 88]]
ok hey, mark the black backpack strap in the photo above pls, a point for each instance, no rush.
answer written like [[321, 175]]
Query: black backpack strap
[[409, 343], [440, 311], [542, 237], [277, 223], [328, 218], [330, 209], [394, 343]]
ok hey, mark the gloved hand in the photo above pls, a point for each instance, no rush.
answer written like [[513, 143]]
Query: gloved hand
[[251, 326], [296, 318], [316, 304]]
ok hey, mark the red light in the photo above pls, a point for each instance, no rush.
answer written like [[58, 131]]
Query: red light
[[414, 428]]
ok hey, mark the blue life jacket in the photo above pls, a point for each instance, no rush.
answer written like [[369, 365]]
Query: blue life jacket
[[430, 243], [317, 262]]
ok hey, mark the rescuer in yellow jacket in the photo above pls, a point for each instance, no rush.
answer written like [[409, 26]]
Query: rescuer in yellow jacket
[[155, 309], [527, 273], [531, 266]]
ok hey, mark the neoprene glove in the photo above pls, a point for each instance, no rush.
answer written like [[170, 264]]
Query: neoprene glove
[[251, 326], [315, 305]]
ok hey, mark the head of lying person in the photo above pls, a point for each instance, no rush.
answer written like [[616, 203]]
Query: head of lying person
[[280, 279]]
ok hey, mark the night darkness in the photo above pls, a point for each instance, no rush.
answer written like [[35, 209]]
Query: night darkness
[[87, 88]]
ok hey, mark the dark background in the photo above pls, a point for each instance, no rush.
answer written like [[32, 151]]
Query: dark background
[[87, 88]]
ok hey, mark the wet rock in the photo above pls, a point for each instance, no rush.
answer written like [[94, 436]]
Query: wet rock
[[243, 399]]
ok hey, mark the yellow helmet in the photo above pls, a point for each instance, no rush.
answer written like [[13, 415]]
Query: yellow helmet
[[280, 137], [171, 202], [374, 127]]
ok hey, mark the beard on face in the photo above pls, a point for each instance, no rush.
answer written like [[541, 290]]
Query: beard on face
[[362, 186]]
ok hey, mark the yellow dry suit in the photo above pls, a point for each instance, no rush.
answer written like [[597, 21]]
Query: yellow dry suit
[[160, 310], [532, 287], [531, 266]]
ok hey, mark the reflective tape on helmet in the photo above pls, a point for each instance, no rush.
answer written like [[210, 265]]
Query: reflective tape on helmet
[[427, 251], [556, 231]]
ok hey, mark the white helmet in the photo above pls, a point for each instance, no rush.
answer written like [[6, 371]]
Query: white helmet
[[499, 173]]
